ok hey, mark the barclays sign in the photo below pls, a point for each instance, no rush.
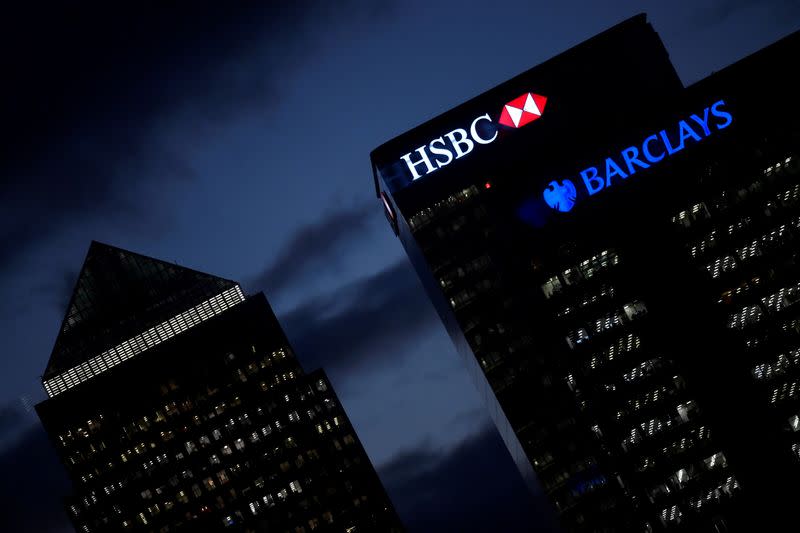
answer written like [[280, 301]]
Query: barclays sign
[[561, 196]]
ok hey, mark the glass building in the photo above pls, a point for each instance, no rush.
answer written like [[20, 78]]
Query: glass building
[[615, 256], [177, 404]]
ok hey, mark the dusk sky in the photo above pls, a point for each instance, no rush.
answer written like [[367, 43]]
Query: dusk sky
[[236, 141]]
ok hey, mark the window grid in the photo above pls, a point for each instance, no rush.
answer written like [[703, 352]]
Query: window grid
[[143, 341]]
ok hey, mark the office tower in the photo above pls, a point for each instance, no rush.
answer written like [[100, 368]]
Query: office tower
[[177, 404], [614, 255]]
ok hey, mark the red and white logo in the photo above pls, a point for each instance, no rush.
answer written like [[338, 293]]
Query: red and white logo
[[483, 130], [522, 110]]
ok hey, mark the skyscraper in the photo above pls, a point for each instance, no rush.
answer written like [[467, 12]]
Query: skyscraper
[[177, 404], [615, 258]]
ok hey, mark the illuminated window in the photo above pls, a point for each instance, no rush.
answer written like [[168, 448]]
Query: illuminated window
[[682, 219], [671, 515], [576, 337], [622, 346], [749, 251], [551, 286], [634, 310], [786, 391], [607, 322], [701, 247], [644, 369], [687, 410], [659, 491], [599, 263], [778, 366], [143, 341], [721, 266], [716, 461], [572, 276], [789, 197], [739, 226], [785, 297]]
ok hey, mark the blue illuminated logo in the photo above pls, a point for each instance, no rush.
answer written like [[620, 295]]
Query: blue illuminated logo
[[653, 149], [561, 197]]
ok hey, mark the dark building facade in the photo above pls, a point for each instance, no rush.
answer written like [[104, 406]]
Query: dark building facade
[[615, 256], [177, 404]]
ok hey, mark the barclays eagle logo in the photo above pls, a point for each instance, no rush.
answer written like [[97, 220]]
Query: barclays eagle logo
[[561, 197]]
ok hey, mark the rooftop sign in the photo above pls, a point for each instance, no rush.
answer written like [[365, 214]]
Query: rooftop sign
[[483, 130], [562, 195]]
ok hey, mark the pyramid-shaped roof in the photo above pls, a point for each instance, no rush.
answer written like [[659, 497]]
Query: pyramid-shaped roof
[[120, 294]]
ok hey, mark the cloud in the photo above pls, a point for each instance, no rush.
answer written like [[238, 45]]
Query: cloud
[[12, 416], [34, 487], [16, 418], [58, 291], [720, 10], [91, 87], [317, 246], [366, 322], [474, 487]]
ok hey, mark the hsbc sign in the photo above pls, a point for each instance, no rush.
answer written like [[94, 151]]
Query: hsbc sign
[[482, 130], [523, 110]]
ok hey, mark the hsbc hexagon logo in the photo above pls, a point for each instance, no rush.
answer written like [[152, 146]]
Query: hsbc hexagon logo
[[483, 129], [522, 110]]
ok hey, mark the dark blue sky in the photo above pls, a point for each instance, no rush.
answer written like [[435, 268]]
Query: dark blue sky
[[236, 141]]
